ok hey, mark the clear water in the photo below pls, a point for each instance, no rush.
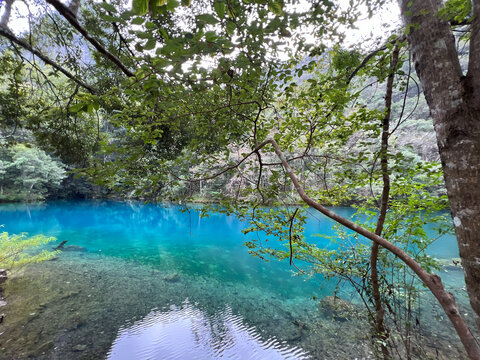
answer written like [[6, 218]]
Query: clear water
[[151, 282]]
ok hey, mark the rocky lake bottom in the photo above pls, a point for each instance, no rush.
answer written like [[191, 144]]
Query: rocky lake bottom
[[86, 306], [121, 299]]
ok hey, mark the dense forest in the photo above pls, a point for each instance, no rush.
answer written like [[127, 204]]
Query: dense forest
[[258, 109]]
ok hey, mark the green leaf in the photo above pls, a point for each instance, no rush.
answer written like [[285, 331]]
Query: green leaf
[[108, 7], [207, 19], [220, 8], [186, 2], [140, 7], [150, 44], [137, 21], [156, 6], [231, 26], [150, 25], [77, 107], [275, 7], [172, 5], [457, 10], [143, 35], [110, 18], [164, 33], [211, 36]]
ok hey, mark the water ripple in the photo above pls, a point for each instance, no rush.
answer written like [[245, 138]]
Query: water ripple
[[186, 332]]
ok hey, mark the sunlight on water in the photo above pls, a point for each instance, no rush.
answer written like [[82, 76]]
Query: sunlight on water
[[187, 332]]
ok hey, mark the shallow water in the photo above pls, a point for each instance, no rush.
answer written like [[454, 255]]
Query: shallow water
[[150, 282]]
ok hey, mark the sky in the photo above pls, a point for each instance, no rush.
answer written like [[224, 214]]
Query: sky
[[383, 23]]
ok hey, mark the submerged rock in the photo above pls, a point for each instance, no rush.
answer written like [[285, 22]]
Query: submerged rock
[[454, 264], [339, 309], [79, 348], [3, 276], [74, 248], [300, 327], [172, 278], [3, 279]]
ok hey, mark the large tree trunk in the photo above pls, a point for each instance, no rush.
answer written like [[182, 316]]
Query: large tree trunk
[[454, 102]]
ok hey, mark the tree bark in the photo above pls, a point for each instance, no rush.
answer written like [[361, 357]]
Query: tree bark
[[6, 15], [73, 6], [454, 102]]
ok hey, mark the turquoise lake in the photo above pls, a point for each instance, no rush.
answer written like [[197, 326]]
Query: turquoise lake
[[149, 282]]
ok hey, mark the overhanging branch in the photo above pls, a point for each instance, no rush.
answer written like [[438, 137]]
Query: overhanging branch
[[432, 281], [72, 19], [10, 36]]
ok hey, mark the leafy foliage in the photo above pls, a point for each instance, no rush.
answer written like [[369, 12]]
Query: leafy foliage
[[18, 250], [456, 10], [27, 173]]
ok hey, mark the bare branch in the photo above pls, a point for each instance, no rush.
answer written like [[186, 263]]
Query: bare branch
[[292, 218], [379, 308], [231, 167], [370, 56], [120, 36]]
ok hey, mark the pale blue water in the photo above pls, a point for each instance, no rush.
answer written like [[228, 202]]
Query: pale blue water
[[166, 285], [163, 237]]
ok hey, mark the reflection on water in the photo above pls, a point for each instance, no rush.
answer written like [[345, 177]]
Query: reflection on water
[[187, 332]]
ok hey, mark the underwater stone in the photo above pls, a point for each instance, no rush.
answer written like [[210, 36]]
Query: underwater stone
[[3, 276], [300, 327], [339, 309], [74, 248], [3, 279], [172, 278], [79, 348]]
